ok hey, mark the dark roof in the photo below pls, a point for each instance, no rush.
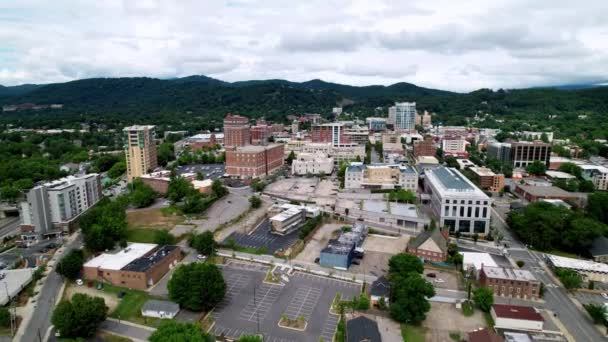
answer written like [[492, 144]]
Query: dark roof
[[362, 329], [599, 246], [160, 305], [435, 235], [517, 312], [381, 287], [484, 335], [152, 258]]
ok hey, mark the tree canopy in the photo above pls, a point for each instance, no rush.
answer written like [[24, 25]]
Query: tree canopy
[[80, 316], [104, 225], [204, 243], [70, 265], [409, 298], [402, 264], [197, 286], [484, 298], [173, 331]]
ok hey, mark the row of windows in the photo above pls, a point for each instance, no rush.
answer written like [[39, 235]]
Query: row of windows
[[469, 212], [464, 202]]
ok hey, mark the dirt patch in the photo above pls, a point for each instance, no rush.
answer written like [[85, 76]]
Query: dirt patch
[[444, 319], [377, 243], [111, 300], [318, 242], [152, 218]]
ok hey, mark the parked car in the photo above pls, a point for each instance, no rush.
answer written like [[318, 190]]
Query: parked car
[[439, 280], [201, 257], [79, 282], [317, 260], [431, 275], [605, 295]]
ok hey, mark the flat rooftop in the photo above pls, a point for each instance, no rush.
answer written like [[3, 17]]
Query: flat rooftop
[[255, 148], [476, 259], [559, 175], [451, 181], [482, 171], [138, 127], [142, 264], [508, 273], [122, 258], [577, 264], [545, 191]]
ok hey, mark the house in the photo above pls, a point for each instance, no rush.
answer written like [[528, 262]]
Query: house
[[599, 249], [159, 309], [484, 335], [381, 288], [362, 329], [431, 245], [515, 317]]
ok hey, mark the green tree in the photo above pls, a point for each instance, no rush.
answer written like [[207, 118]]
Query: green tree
[[290, 158], [194, 203], [571, 279], [204, 243], [484, 298], [451, 162], [80, 316], [9, 193], [179, 187], [572, 169], [197, 286], [117, 170], [70, 265], [104, 225], [402, 195], [165, 153], [586, 185], [363, 302], [5, 317], [409, 298], [163, 237], [597, 312], [402, 264], [597, 206], [536, 168], [174, 331], [342, 173], [255, 202], [218, 188], [142, 195], [257, 185]]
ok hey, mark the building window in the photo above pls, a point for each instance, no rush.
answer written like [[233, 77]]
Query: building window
[[450, 224], [464, 225], [479, 226]]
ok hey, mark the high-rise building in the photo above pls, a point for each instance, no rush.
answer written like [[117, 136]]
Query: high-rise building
[[520, 154], [392, 113], [237, 131], [54, 204], [140, 150], [254, 161], [329, 133], [405, 116], [295, 126]]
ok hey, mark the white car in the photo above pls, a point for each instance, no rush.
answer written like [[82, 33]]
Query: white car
[[605, 295], [201, 257], [79, 282], [438, 280]]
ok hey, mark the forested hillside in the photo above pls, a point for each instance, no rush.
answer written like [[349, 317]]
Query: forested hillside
[[199, 102]]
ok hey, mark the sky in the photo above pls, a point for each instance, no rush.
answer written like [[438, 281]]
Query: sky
[[443, 44]]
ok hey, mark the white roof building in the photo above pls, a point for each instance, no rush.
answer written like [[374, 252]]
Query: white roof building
[[473, 261], [588, 269], [117, 261]]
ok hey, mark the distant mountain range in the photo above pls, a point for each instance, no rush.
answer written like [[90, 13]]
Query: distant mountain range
[[202, 96]]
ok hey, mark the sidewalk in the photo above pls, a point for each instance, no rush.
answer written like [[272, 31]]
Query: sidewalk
[[127, 329]]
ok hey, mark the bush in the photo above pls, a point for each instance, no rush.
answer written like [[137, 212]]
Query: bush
[[80, 316], [204, 243], [597, 313], [163, 237], [309, 226], [571, 279], [176, 331], [255, 202], [520, 263], [484, 298], [5, 317]]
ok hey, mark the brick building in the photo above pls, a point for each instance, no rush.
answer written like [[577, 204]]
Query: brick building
[[333, 133], [159, 181], [510, 282], [254, 161], [260, 133], [236, 131], [487, 179], [425, 147], [430, 245], [138, 266]]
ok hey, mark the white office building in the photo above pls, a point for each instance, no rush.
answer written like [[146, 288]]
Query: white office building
[[381, 176], [59, 202], [405, 116], [454, 146], [344, 152], [312, 163], [597, 174], [392, 114], [459, 204]]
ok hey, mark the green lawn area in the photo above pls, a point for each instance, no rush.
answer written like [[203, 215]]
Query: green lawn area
[[467, 308], [412, 333], [130, 305], [143, 235]]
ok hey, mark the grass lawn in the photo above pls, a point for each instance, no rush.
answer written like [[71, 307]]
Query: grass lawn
[[153, 218], [411, 333], [143, 235], [130, 305], [467, 308], [455, 336]]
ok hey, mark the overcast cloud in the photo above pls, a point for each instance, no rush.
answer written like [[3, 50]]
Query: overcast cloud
[[450, 45]]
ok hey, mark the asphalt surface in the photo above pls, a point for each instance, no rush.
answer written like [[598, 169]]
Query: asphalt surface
[[262, 237], [213, 171], [304, 295], [11, 228], [40, 322]]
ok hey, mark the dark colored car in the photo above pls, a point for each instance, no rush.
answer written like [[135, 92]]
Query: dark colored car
[[317, 260], [431, 275]]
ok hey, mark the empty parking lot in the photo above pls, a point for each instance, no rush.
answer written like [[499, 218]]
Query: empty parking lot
[[305, 295]]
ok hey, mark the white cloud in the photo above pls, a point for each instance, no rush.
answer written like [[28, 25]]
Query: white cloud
[[440, 44]]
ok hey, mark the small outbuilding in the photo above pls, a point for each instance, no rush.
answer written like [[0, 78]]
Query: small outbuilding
[[159, 309]]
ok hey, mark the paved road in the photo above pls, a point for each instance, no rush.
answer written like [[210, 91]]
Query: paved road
[[41, 317], [128, 330], [558, 300], [10, 228]]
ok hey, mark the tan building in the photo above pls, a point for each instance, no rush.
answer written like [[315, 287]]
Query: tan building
[[487, 179], [138, 266], [140, 150], [510, 282], [381, 176]]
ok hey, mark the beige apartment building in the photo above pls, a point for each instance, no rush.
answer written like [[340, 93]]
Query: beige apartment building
[[140, 150]]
